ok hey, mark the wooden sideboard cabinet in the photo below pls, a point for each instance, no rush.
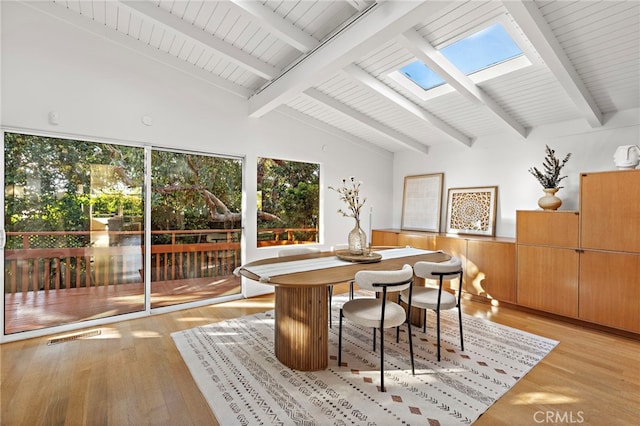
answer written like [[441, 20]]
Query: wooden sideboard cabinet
[[491, 270], [585, 265], [610, 249], [489, 263], [548, 261]]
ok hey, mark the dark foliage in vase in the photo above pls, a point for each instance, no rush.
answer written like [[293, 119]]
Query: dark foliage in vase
[[552, 167]]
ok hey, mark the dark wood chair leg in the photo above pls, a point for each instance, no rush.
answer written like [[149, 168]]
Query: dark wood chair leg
[[460, 320], [340, 341], [424, 322], [330, 298], [438, 321], [382, 389]]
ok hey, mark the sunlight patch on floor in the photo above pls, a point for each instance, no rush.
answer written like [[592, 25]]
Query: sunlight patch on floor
[[544, 398]]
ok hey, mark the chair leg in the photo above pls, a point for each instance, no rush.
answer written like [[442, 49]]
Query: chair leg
[[413, 368], [398, 328], [438, 320], [460, 321], [424, 322], [330, 297], [382, 360], [351, 290], [340, 340], [374, 339]]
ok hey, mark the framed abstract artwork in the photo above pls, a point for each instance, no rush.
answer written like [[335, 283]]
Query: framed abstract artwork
[[472, 210], [422, 202]]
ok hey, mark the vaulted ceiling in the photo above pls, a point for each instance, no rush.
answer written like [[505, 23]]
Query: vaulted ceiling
[[331, 64]]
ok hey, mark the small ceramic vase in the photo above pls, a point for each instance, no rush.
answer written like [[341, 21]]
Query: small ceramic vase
[[550, 201]]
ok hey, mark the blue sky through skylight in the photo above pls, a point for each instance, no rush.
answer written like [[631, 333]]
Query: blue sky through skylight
[[481, 50]]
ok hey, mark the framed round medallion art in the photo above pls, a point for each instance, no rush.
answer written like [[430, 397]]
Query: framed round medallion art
[[472, 210]]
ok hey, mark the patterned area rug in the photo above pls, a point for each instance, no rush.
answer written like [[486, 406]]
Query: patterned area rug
[[234, 365]]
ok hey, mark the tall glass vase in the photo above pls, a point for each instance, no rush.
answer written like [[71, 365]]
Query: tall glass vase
[[357, 240]]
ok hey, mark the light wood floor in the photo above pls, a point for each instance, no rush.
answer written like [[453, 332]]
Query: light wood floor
[[132, 374]]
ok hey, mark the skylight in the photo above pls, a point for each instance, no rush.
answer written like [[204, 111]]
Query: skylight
[[479, 51]]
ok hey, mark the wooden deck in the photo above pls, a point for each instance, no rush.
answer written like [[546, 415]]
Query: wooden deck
[[47, 308]]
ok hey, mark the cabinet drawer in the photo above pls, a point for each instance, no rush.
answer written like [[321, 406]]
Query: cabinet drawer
[[549, 228]]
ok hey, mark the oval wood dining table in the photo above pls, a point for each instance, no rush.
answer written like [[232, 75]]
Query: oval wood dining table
[[301, 333]]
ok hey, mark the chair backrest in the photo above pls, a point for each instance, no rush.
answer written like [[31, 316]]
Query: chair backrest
[[294, 251], [376, 280], [450, 268]]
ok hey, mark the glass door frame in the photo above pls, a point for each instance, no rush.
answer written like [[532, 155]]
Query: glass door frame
[[53, 330]]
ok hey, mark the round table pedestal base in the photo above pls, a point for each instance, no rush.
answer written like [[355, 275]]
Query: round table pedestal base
[[301, 327]]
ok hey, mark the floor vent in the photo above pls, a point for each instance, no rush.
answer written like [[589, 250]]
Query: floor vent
[[73, 337]]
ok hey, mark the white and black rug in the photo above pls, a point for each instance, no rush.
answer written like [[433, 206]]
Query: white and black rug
[[234, 365]]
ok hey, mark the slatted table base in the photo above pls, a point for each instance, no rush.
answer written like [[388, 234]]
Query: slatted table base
[[301, 327]]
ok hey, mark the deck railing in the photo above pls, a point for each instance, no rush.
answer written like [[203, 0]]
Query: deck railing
[[37, 261]]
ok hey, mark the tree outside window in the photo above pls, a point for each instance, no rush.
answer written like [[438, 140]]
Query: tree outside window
[[288, 202]]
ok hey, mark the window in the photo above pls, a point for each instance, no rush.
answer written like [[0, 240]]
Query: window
[[480, 51], [288, 202]]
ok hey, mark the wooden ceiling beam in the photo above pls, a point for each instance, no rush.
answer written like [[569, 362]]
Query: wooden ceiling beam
[[376, 26], [230, 52], [332, 130], [367, 121], [281, 28], [379, 88], [65, 14], [529, 18]]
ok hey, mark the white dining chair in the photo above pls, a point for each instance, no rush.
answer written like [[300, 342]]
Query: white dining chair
[[436, 298], [379, 312]]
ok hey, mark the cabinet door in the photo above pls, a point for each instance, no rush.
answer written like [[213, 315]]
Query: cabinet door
[[490, 270], [384, 238], [422, 241], [455, 246], [548, 279], [610, 210], [609, 289]]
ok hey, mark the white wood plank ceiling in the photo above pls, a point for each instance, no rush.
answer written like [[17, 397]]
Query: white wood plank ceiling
[[329, 63]]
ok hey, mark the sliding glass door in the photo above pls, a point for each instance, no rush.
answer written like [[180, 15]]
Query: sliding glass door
[[196, 227], [74, 218], [74, 227]]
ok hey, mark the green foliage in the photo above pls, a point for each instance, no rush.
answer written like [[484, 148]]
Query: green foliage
[[60, 185], [290, 192], [185, 187], [552, 167], [48, 180]]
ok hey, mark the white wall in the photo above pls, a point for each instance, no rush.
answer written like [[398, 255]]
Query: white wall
[[504, 161], [101, 91]]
